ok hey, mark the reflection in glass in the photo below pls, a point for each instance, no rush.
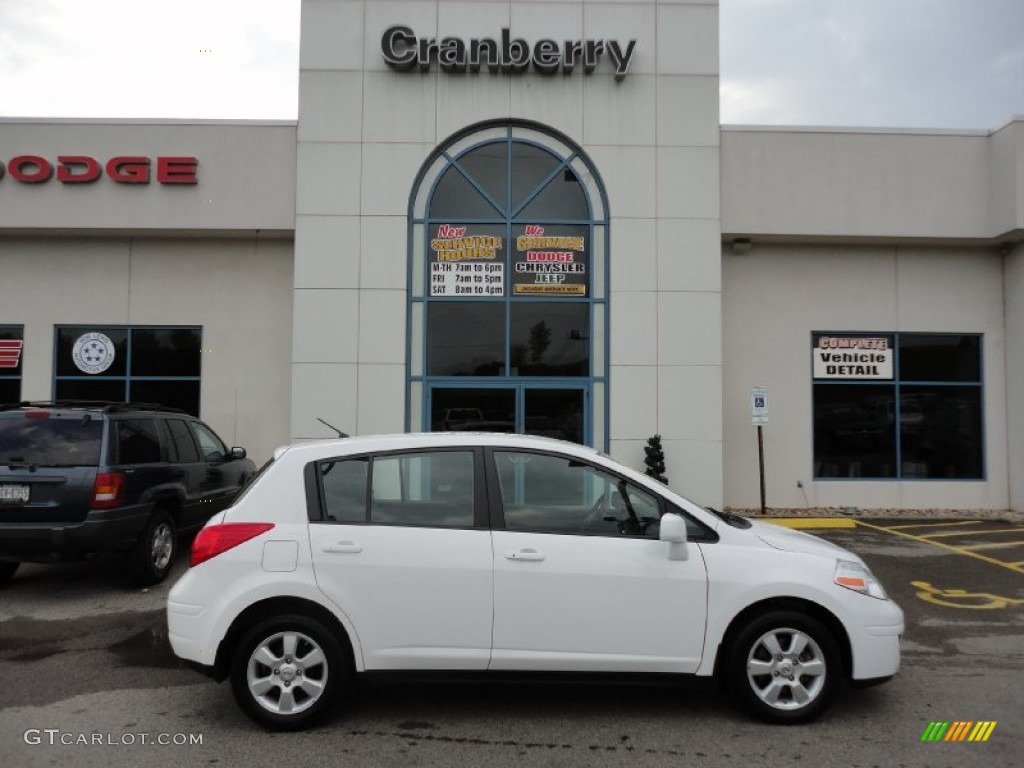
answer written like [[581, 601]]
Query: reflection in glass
[[940, 432], [183, 395], [488, 167], [467, 338], [166, 351], [854, 431], [454, 409], [556, 413], [455, 197], [946, 357], [550, 339], [562, 198], [531, 165]]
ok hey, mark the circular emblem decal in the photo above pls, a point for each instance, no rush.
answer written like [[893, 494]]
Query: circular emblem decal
[[93, 353]]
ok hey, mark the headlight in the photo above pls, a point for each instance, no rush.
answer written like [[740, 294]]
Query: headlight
[[858, 578]]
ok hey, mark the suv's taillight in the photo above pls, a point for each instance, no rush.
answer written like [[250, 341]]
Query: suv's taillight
[[106, 491], [215, 539]]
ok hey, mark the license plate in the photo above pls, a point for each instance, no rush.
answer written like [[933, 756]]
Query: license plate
[[13, 494]]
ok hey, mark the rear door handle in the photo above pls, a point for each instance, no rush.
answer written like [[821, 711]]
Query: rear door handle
[[531, 555], [349, 547]]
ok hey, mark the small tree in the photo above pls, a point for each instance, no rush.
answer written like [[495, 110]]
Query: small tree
[[654, 458]]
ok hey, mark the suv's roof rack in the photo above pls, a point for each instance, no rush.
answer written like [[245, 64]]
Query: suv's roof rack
[[101, 405]]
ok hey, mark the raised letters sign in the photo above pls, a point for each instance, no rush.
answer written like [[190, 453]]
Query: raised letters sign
[[403, 51], [80, 169]]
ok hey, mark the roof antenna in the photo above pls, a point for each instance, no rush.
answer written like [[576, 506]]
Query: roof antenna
[[340, 433]]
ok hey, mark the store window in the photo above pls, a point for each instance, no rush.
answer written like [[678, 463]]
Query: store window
[[904, 406], [130, 364], [508, 319], [12, 346]]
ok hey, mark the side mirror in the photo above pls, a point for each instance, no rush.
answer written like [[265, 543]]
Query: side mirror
[[673, 530], [236, 453]]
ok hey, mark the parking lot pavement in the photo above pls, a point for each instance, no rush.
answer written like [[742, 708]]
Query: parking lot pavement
[[85, 655]]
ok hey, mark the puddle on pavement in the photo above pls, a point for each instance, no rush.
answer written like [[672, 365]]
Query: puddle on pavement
[[148, 648]]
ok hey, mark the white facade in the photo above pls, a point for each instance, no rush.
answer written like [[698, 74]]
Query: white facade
[[726, 248]]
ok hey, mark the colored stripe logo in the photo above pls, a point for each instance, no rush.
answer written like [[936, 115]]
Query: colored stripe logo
[[959, 730], [10, 353]]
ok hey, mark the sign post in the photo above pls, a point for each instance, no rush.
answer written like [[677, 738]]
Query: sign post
[[759, 416]]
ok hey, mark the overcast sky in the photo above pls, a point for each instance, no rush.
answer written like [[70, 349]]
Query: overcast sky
[[878, 63]]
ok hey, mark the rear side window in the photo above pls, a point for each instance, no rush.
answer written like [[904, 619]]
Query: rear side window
[[37, 439], [183, 447], [138, 442], [417, 489]]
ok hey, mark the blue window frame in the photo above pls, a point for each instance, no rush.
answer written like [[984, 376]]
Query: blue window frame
[[144, 364], [898, 406], [508, 286], [11, 354]]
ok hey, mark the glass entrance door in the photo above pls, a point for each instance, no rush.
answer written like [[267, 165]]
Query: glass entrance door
[[526, 409]]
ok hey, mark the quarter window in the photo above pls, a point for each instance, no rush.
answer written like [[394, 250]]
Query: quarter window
[[138, 441], [434, 489]]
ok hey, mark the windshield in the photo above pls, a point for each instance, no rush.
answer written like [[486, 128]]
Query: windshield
[[35, 439]]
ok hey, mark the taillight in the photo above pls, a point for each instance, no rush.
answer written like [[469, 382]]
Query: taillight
[[106, 491], [216, 539]]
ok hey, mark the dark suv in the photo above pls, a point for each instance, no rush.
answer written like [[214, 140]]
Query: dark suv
[[81, 478]]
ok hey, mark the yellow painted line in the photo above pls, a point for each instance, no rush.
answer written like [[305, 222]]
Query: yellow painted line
[[972, 533], [1015, 567], [812, 522], [1000, 545], [932, 525]]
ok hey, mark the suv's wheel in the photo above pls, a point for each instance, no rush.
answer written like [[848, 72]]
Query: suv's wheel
[[151, 558], [287, 671], [784, 667], [7, 570]]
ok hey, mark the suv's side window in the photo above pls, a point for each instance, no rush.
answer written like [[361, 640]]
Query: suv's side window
[[184, 448], [433, 489], [138, 441], [555, 494], [210, 446]]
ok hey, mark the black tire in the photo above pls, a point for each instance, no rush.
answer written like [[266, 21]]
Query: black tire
[[798, 682], [7, 570], [261, 685], [152, 557]]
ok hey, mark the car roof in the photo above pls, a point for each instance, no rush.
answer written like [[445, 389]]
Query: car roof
[[413, 441]]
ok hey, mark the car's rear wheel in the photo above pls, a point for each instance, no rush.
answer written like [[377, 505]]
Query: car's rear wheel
[[151, 558], [784, 667], [7, 571], [287, 671]]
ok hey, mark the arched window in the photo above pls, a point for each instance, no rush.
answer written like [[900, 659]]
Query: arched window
[[508, 287]]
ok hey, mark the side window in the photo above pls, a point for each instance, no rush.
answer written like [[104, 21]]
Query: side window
[[183, 445], [426, 489], [210, 446], [344, 490], [555, 494], [138, 441]]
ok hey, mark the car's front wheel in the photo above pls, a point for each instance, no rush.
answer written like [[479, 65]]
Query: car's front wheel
[[784, 667], [151, 558], [287, 671], [7, 570]]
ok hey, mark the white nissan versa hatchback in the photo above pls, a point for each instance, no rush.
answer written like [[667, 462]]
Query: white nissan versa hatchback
[[486, 552]]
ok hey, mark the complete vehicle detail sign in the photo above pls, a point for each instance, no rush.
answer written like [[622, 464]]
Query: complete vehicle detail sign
[[852, 357], [404, 51]]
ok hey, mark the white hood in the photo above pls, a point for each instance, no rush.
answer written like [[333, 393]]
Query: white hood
[[790, 540]]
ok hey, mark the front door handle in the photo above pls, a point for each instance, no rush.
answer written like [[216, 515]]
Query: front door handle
[[344, 547], [531, 555]]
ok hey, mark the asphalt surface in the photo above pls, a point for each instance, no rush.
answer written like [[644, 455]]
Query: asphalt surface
[[84, 659]]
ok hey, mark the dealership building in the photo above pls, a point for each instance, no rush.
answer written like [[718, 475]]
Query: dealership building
[[525, 216]]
